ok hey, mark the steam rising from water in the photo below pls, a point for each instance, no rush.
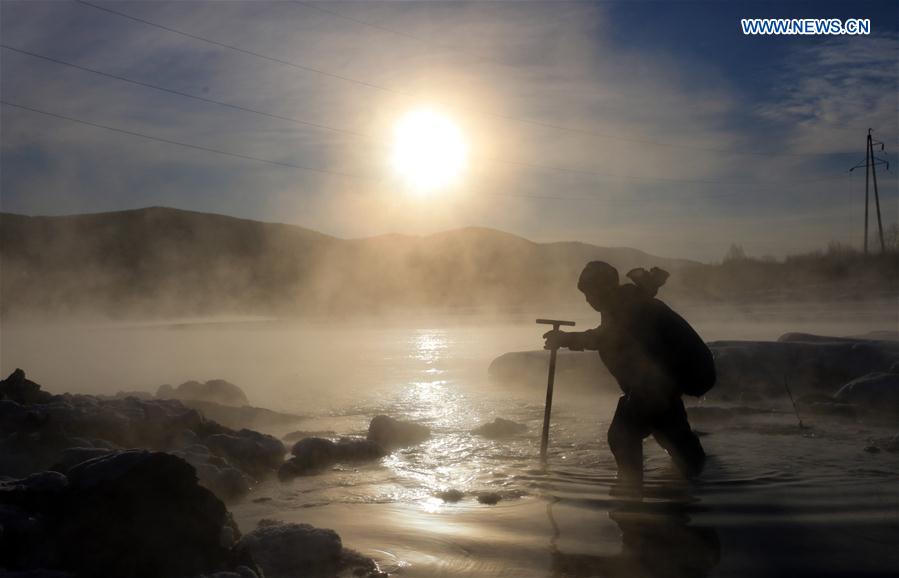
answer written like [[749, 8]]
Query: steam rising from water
[[766, 481], [301, 364]]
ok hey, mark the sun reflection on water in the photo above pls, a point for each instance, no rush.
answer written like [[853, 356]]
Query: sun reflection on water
[[432, 505], [436, 390], [429, 345]]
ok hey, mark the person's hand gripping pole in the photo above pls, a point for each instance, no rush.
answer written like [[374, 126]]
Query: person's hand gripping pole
[[553, 345]]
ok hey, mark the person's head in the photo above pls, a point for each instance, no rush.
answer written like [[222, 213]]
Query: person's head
[[597, 282]]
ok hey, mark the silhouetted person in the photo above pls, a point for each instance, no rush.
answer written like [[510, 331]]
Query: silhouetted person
[[654, 355]]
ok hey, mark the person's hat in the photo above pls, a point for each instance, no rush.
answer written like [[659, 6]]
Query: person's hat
[[597, 275]]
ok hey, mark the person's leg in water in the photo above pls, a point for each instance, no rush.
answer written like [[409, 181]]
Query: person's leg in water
[[629, 427], [673, 432]]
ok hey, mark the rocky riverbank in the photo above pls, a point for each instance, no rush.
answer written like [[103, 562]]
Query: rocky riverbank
[[135, 486]]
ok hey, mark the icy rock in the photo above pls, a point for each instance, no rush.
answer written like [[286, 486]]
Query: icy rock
[[312, 455], [253, 452], [489, 498], [32, 492], [128, 422], [390, 433], [500, 428], [288, 550], [296, 436], [21, 390], [71, 457], [450, 496], [129, 514], [358, 450], [215, 391], [815, 365], [139, 513], [875, 392], [216, 474], [37, 436]]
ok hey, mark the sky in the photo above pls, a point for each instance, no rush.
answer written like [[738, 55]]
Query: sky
[[655, 125]]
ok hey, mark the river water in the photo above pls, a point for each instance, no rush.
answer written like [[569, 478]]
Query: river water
[[774, 500]]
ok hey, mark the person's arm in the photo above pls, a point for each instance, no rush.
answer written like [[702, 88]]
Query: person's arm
[[574, 340]]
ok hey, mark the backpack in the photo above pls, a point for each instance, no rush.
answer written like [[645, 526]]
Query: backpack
[[684, 354], [670, 341]]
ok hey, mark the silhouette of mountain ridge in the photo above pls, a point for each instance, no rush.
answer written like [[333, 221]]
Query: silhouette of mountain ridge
[[160, 260]]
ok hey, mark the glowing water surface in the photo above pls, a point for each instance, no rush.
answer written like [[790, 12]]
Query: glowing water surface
[[773, 500]]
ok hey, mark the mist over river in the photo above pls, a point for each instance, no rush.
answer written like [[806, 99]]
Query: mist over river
[[774, 499]]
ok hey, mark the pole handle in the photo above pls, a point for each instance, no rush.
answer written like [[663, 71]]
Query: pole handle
[[555, 322]]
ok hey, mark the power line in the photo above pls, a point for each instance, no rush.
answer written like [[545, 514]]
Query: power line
[[182, 144], [555, 168], [186, 94], [362, 22], [424, 41], [325, 171], [374, 86], [243, 50]]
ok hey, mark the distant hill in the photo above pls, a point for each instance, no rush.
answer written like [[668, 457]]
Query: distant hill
[[173, 262]]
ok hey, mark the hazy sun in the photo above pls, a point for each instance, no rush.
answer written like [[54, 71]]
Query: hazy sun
[[429, 151]]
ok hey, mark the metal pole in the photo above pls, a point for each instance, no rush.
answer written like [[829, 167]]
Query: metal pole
[[547, 409], [883, 247], [869, 152], [550, 383]]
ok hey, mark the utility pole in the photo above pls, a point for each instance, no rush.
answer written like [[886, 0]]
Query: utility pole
[[870, 165]]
